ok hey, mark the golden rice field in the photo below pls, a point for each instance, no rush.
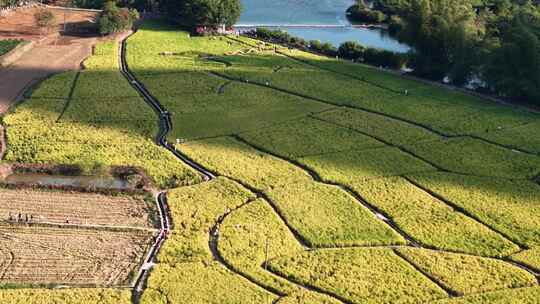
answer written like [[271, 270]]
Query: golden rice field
[[331, 185]]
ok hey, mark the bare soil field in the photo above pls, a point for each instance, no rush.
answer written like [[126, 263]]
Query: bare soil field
[[20, 23], [52, 53], [42, 256], [57, 207]]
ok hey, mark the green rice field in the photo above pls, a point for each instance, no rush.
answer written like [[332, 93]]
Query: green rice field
[[332, 185]]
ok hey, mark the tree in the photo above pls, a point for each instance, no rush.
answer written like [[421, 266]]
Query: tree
[[440, 31], [211, 13], [114, 19], [44, 19], [351, 50], [360, 12], [514, 67]]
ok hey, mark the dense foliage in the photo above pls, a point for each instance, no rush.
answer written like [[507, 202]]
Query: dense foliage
[[115, 19], [203, 13], [359, 12], [348, 50], [494, 45]]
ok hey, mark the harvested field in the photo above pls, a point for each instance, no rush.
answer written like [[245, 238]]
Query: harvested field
[[55, 256], [55, 207]]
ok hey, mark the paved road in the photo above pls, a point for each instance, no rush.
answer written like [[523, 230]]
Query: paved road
[[49, 57]]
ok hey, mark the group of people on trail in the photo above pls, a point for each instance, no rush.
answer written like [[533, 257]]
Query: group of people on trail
[[24, 218], [20, 218]]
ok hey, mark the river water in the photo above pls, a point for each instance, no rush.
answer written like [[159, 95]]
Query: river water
[[290, 14]]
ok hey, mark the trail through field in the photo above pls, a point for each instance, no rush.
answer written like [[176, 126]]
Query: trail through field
[[165, 126], [52, 56]]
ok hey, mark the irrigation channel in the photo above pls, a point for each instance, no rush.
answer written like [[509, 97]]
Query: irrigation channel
[[166, 127]]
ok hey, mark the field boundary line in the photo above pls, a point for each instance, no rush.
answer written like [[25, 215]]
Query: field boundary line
[[418, 124], [378, 214], [500, 102], [312, 288], [148, 262], [287, 91], [459, 209], [451, 293], [213, 243], [164, 116], [509, 147]]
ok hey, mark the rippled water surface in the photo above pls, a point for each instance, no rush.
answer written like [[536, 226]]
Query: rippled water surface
[[313, 12]]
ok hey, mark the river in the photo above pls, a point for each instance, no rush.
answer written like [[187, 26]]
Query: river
[[303, 18]]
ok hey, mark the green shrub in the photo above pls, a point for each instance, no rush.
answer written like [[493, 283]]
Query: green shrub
[[44, 19], [384, 58], [362, 14], [351, 50], [328, 49], [114, 19], [275, 35], [315, 44]]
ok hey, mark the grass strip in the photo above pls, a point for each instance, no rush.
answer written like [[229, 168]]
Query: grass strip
[[475, 157]]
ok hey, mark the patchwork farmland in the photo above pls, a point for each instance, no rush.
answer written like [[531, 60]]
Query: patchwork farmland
[[289, 178]]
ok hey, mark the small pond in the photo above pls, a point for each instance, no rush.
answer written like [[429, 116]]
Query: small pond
[[105, 182]]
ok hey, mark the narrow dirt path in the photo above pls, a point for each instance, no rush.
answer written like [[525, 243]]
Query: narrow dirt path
[[51, 56]]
